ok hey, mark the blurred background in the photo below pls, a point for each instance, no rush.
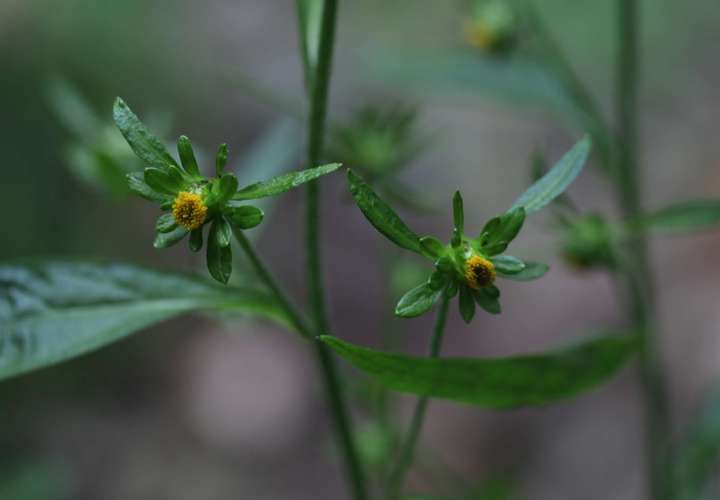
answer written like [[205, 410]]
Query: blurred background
[[197, 408]]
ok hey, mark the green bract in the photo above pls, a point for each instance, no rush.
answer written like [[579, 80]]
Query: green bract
[[467, 265], [191, 201]]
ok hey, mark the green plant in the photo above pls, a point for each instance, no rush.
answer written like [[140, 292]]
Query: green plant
[[52, 311]]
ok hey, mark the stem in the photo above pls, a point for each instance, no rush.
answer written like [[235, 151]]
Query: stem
[[638, 271], [333, 388], [318, 81], [407, 453]]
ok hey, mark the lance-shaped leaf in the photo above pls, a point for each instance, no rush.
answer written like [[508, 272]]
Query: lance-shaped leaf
[[54, 311], [283, 183], [187, 156], [382, 217], [695, 215], [557, 180], [418, 300], [517, 381], [148, 147]]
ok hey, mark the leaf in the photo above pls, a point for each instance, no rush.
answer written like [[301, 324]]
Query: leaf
[[466, 304], [221, 159], [165, 223], [137, 184], [245, 216], [162, 182], [487, 298], [145, 145], [166, 240], [54, 311], [417, 301], [694, 215], [697, 457], [195, 242], [528, 380], [283, 183], [458, 213], [557, 180], [507, 264], [219, 257], [532, 271], [187, 156], [499, 231], [432, 246], [382, 217]]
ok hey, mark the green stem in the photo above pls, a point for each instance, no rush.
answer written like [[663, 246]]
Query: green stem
[[639, 279], [407, 452], [317, 78]]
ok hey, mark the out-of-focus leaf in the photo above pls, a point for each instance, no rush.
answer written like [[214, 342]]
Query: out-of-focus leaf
[[514, 80], [697, 460], [517, 381], [382, 217], [310, 21], [148, 147], [694, 215], [283, 183], [54, 311], [71, 108], [557, 180]]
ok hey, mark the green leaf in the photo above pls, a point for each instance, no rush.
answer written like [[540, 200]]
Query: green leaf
[[145, 145], [507, 264], [166, 240], [432, 246], [283, 183], [694, 215], [532, 271], [162, 182], [54, 311], [697, 458], [165, 223], [221, 159], [458, 213], [219, 257], [187, 156], [227, 187], [223, 233], [500, 231], [466, 304], [196, 239], [417, 301], [382, 217], [245, 216], [137, 184], [487, 298], [557, 180], [512, 382]]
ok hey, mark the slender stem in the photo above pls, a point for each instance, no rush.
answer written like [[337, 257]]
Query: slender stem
[[324, 355], [407, 451], [318, 81], [264, 274], [638, 272]]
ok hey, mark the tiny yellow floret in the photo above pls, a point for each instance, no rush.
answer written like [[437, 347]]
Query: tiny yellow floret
[[189, 210], [478, 35], [479, 272]]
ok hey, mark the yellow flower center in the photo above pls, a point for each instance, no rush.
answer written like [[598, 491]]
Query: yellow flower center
[[478, 35], [189, 210], [479, 272]]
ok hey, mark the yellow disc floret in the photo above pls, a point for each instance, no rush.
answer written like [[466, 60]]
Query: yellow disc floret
[[479, 272], [189, 210], [478, 35]]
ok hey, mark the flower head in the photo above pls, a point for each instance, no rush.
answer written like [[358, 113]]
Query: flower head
[[189, 210], [479, 272], [491, 27]]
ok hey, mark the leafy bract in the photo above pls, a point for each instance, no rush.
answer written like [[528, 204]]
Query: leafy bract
[[382, 217], [528, 380], [54, 311], [557, 179], [531, 271], [145, 145], [283, 183]]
